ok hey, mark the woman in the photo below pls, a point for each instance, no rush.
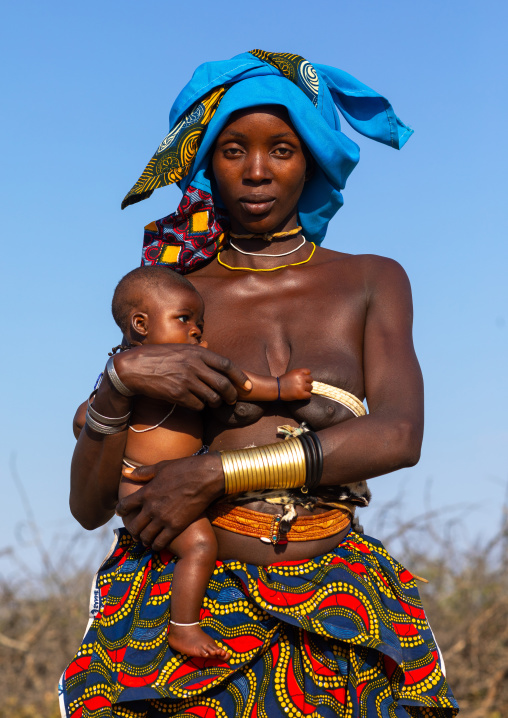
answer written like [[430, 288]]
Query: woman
[[323, 627]]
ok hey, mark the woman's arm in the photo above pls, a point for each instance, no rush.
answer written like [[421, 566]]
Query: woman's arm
[[189, 375], [390, 436]]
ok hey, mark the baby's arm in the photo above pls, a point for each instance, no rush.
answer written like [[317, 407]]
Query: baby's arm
[[296, 385], [79, 419]]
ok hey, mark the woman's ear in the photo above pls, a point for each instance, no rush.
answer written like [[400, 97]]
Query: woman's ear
[[139, 323]]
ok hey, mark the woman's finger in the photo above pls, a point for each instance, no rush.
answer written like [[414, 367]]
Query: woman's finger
[[136, 523], [205, 394], [149, 534], [225, 376], [213, 387], [163, 540], [141, 473], [129, 504]]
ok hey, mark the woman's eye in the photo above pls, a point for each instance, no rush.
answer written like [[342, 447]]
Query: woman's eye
[[283, 151], [232, 151]]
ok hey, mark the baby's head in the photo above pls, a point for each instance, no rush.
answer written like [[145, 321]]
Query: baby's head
[[154, 305]]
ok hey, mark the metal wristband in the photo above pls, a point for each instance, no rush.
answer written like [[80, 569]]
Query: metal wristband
[[315, 467], [279, 465], [107, 420], [115, 379], [103, 428], [308, 461]]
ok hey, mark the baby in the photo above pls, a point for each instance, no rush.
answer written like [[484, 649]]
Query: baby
[[153, 305]]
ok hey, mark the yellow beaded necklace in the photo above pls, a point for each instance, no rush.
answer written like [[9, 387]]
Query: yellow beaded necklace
[[272, 269]]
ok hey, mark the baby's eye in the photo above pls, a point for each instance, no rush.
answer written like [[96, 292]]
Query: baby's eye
[[184, 318]]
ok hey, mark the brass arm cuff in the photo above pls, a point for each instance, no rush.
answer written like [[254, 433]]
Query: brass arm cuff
[[274, 466]]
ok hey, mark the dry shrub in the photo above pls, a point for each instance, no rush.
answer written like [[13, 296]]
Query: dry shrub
[[466, 601], [40, 630], [42, 615]]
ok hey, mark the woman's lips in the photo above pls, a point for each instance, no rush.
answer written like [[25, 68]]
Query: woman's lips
[[257, 205]]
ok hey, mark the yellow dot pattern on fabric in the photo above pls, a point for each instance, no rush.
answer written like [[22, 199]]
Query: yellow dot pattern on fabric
[[343, 634]]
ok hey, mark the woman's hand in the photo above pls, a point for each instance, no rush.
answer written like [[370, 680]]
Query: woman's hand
[[175, 494], [186, 374]]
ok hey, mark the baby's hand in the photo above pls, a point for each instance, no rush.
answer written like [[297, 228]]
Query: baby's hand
[[296, 385]]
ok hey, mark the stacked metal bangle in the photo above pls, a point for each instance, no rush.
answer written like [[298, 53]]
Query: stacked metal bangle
[[105, 424], [108, 424], [291, 464]]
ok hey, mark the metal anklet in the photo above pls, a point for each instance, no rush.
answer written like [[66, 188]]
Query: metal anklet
[[174, 623]]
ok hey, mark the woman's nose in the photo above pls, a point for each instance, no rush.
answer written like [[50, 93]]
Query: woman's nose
[[256, 168]]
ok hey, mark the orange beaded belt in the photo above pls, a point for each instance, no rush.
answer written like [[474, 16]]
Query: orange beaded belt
[[267, 527]]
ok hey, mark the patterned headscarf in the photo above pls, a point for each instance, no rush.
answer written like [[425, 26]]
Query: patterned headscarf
[[312, 94]]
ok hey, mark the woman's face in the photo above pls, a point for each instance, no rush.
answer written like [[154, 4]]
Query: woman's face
[[260, 169]]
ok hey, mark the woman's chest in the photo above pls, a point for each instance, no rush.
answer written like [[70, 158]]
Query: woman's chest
[[271, 327]]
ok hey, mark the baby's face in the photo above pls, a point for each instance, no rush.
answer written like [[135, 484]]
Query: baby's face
[[175, 317]]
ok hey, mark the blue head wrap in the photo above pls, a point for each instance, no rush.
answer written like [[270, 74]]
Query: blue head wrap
[[313, 96]]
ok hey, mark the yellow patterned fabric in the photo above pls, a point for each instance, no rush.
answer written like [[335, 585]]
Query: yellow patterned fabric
[[176, 152]]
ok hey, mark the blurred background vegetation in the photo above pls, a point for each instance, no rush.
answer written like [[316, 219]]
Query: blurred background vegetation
[[43, 614]]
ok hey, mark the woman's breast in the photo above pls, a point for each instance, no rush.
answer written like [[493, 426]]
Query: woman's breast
[[318, 412], [246, 423], [271, 335]]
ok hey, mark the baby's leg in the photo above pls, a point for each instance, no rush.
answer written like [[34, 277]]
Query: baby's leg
[[196, 548]]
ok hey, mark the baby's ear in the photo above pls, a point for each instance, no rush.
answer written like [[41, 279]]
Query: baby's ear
[[139, 323], [204, 344]]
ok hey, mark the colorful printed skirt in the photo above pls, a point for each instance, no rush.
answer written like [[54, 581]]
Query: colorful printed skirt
[[343, 634]]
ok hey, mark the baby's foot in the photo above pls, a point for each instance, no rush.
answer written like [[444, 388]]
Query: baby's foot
[[193, 641]]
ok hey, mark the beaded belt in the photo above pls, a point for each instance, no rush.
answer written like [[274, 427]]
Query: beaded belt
[[266, 527]]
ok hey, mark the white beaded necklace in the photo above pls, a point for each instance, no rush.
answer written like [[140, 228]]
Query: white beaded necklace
[[258, 254]]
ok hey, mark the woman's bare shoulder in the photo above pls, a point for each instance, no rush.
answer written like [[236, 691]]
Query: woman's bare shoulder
[[372, 267]]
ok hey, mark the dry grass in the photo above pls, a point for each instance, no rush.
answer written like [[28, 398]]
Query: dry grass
[[39, 633], [466, 600]]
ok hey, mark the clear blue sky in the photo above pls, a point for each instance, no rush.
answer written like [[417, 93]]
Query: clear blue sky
[[87, 89]]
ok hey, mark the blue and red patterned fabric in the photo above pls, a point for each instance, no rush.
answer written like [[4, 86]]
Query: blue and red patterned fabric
[[187, 238], [341, 635]]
